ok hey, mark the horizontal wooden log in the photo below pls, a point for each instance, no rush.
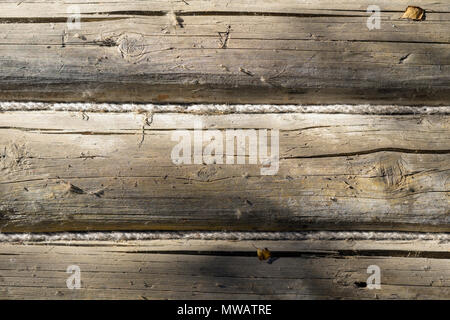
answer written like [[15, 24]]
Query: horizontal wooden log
[[42, 8], [213, 51], [67, 171], [225, 270]]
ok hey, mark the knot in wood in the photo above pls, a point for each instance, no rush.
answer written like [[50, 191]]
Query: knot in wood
[[131, 46]]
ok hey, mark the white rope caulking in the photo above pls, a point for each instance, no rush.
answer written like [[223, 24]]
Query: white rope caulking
[[222, 108], [202, 235]]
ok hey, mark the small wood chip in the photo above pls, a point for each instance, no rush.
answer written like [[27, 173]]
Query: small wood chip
[[245, 71], [414, 13]]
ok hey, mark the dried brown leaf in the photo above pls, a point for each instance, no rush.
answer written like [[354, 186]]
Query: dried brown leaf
[[263, 254], [414, 13]]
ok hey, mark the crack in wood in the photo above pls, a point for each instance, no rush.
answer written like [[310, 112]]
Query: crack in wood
[[300, 254], [364, 152]]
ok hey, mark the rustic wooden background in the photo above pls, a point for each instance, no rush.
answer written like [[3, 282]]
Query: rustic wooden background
[[68, 171]]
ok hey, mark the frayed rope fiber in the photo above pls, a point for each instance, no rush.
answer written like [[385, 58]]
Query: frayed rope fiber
[[222, 108], [151, 235]]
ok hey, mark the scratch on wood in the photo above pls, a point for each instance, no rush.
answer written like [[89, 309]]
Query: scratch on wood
[[148, 119], [224, 37]]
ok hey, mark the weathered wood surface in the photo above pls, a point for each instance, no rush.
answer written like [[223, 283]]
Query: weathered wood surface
[[225, 270], [65, 171], [241, 51]]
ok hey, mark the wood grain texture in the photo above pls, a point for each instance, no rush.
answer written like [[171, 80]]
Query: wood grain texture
[[225, 270], [225, 52], [65, 171]]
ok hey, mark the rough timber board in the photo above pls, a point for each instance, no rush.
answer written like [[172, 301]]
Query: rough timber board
[[337, 172], [277, 52], [225, 270]]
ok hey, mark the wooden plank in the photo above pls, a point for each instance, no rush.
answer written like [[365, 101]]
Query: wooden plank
[[67, 171], [225, 270], [276, 52], [41, 8]]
